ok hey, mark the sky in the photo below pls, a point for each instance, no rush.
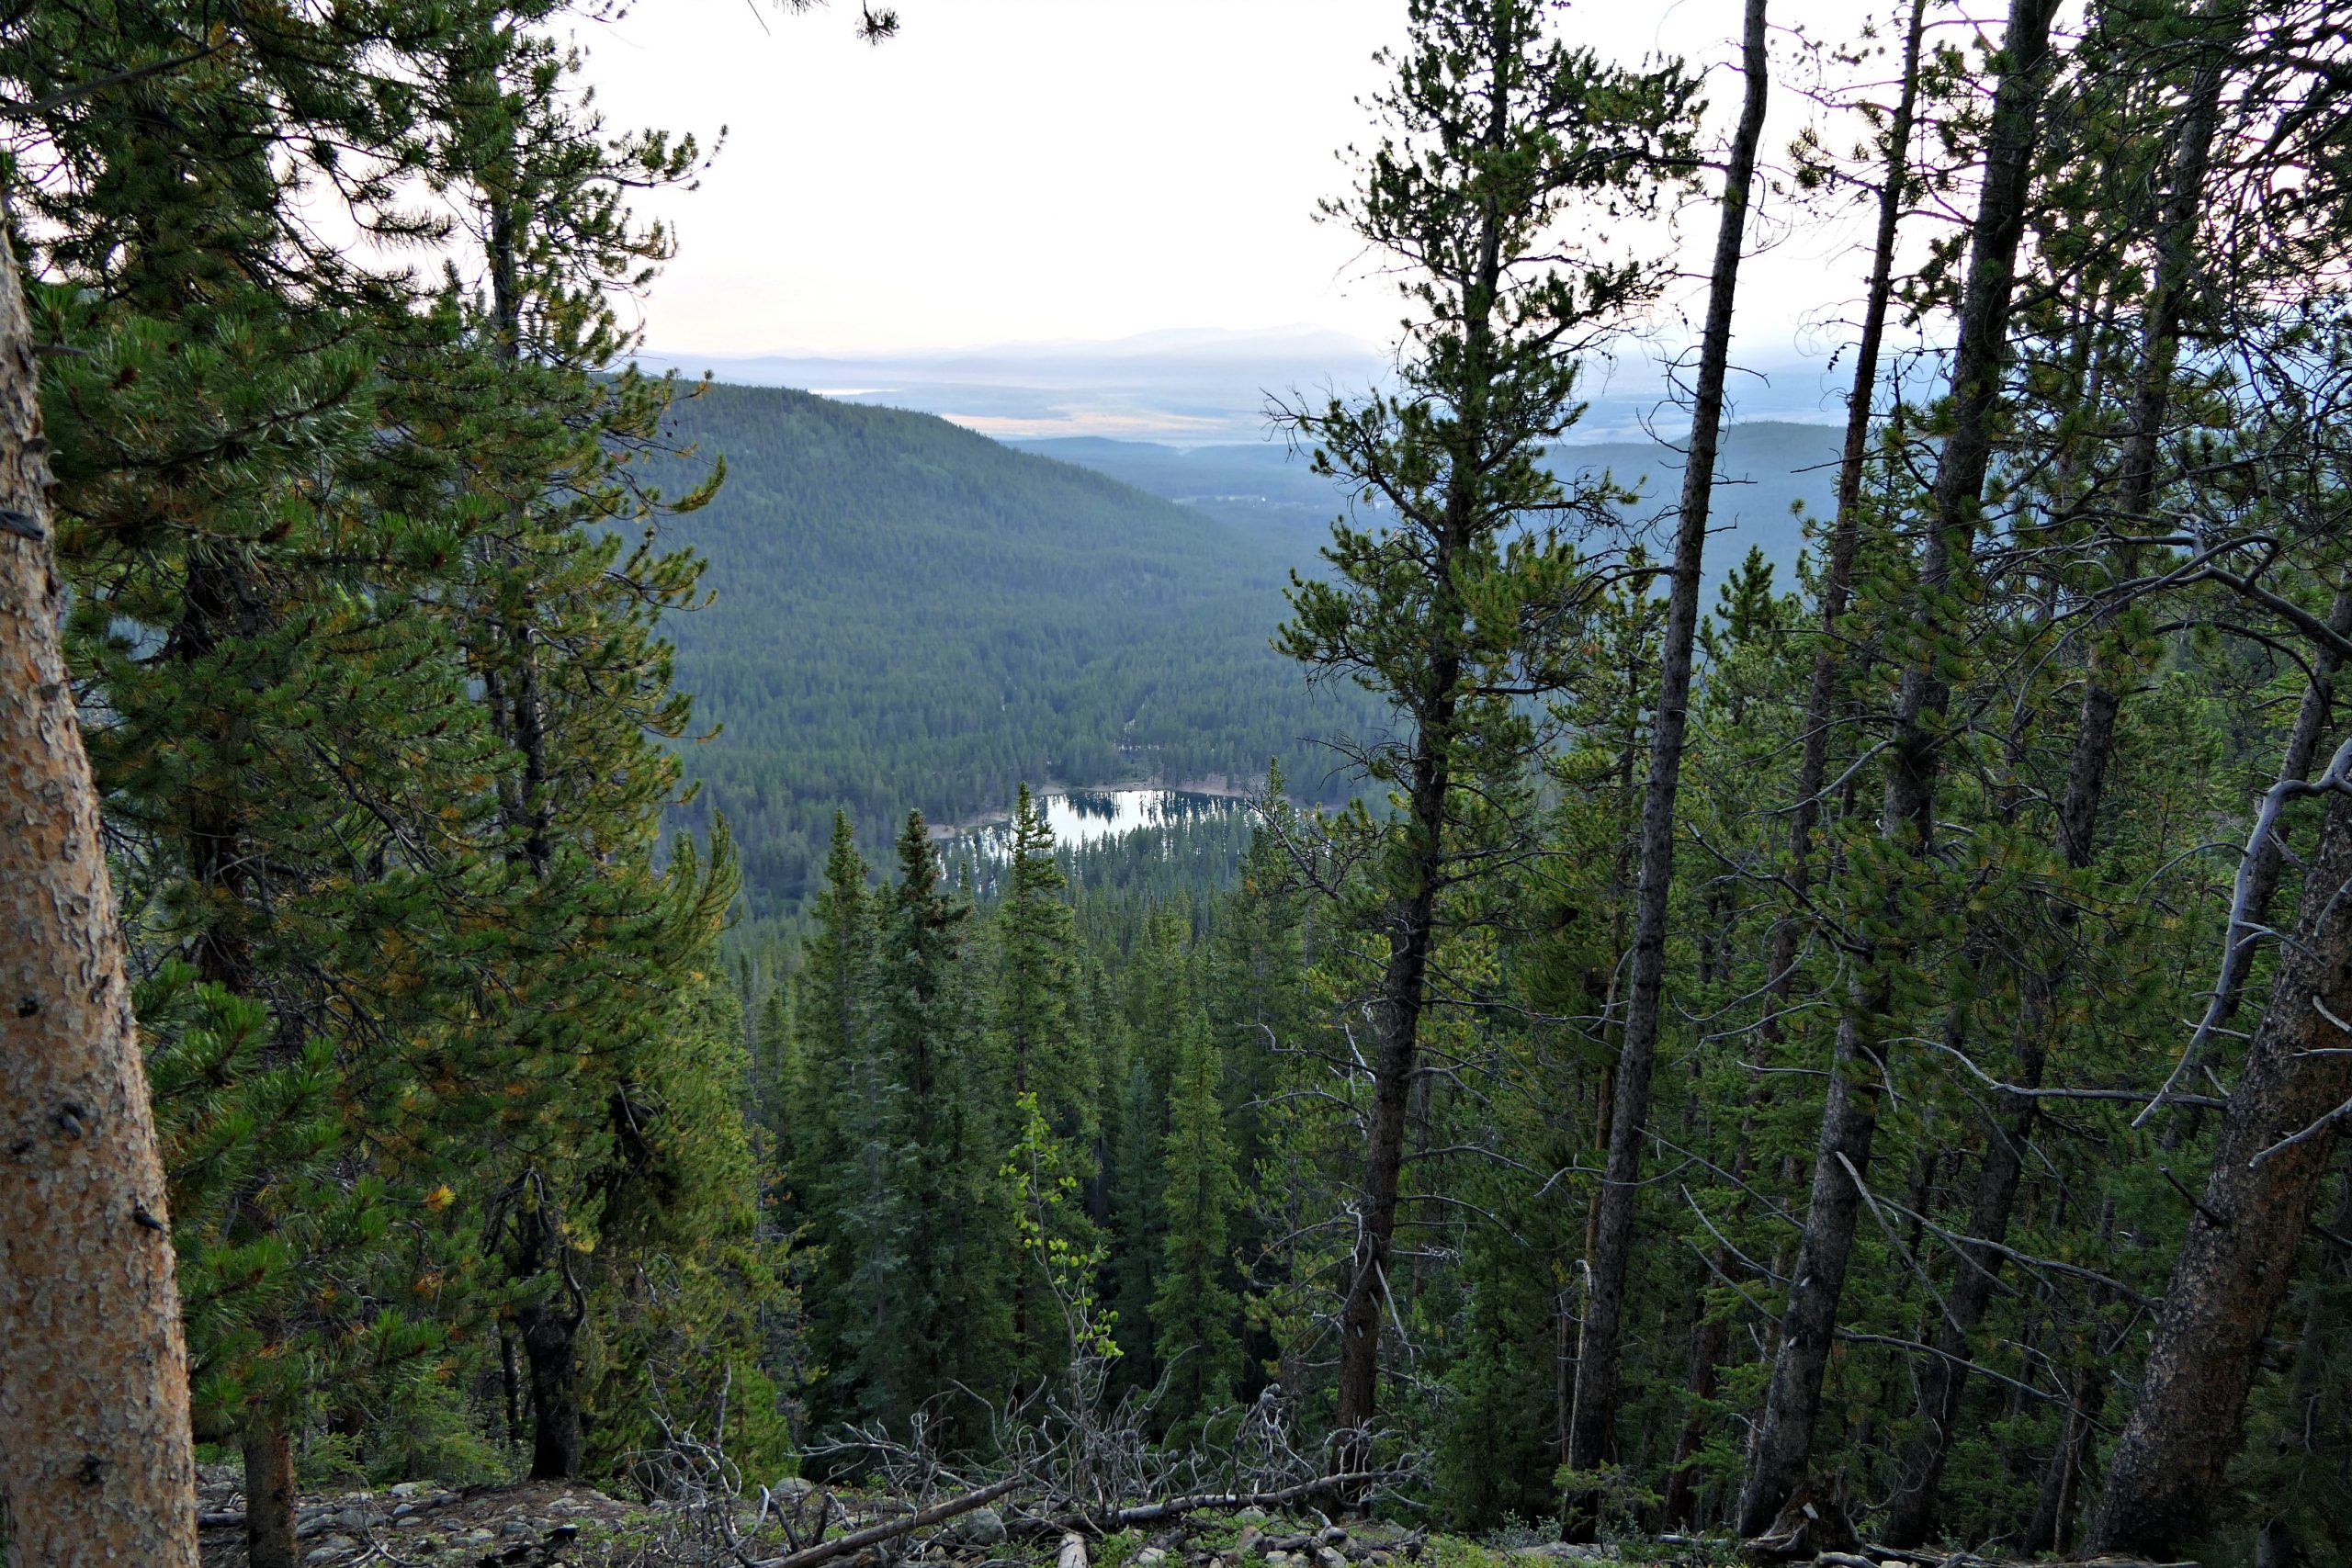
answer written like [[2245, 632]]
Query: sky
[[1032, 176]]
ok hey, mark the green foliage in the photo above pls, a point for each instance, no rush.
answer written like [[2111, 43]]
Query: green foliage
[[1192, 1308], [1071, 629]]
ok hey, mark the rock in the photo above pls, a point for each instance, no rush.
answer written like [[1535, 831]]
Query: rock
[[323, 1553], [1277, 1560], [1150, 1557], [1328, 1556], [409, 1489], [981, 1527], [1250, 1517], [792, 1486]]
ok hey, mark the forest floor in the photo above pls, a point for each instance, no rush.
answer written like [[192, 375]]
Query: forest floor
[[559, 1525], [532, 1525]]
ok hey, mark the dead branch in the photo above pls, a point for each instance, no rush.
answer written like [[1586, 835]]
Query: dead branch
[[1206, 1502], [873, 1535]]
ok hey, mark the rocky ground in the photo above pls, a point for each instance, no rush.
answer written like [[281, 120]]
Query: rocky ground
[[548, 1525], [536, 1525]]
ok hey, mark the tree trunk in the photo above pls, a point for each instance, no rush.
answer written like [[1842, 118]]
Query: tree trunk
[[94, 1454], [1943, 1376], [1710, 1342], [550, 1336], [269, 1494], [1849, 1118], [1592, 1424], [1403, 982], [1784, 1444], [1943, 1379], [2238, 1258], [1814, 726]]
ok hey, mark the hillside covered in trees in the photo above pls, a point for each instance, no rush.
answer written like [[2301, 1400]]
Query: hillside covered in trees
[[1758, 1056], [905, 616], [1768, 470]]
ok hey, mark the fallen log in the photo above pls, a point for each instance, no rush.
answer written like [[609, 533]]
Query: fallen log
[[875, 1535], [1202, 1502]]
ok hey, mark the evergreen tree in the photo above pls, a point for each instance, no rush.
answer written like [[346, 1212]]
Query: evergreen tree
[[1461, 606], [1192, 1306], [1042, 1051]]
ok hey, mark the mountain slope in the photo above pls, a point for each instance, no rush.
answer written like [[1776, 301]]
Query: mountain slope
[[1265, 489], [910, 615]]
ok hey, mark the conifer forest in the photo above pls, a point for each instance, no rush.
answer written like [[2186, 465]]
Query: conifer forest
[[1649, 1055]]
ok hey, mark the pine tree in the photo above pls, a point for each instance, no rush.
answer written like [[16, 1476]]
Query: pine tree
[[1457, 608]]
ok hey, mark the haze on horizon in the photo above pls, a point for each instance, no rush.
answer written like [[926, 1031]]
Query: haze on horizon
[[1040, 216]]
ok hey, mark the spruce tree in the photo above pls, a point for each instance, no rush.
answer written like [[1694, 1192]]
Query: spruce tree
[[1043, 1053], [1192, 1306]]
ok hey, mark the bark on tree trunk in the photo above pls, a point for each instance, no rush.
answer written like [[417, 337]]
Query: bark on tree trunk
[[1403, 982], [1592, 1423], [269, 1494], [94, 1454], [2237, 1259], [1849, 1118], [1783, 1445]]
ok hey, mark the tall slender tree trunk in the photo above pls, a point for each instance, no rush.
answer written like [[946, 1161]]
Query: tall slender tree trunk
[[1404, 982], [1783, 1445], [1592, 1423], [2237, 1260], [96, 1460], [1813, 725], [1943, 1378]]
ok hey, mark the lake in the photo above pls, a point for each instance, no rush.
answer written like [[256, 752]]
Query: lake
[[1088, 815]]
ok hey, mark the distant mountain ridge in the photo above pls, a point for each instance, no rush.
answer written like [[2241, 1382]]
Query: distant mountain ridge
[[1766, 467]]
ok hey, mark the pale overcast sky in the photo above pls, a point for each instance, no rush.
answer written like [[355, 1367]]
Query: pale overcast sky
[[1026, 171]]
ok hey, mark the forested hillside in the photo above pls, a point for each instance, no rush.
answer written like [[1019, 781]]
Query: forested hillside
[[907, 615], [1767, 469]]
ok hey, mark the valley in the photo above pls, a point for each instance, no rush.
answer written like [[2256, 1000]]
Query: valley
[[907, 615]]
